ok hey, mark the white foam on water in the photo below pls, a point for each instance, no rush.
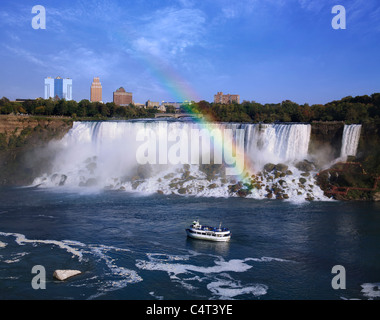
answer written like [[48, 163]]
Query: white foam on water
[[16, 257], [167, 257], [227, 289], [268, 259], [175, 269], [371, 290], [128, 275], [121, 275], [3, 244], [65, 245], [155, 296], [124, 276], [156, 263], [218, 277]]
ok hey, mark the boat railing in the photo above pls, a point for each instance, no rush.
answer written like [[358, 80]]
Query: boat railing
[[200, 227]]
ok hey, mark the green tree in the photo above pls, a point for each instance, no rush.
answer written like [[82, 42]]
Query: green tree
[[40, 110], [72, 107], [170, 109], [60, 109]]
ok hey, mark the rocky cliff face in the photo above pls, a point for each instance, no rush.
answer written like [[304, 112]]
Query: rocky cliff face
[[22, 141], [369, 147], [355, 180], [325, 141]]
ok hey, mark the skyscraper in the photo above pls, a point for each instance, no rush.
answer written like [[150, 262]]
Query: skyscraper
[[49, 88], [59, 87], [96, 90]]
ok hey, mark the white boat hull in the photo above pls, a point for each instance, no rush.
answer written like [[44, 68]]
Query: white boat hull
[[209, 237]]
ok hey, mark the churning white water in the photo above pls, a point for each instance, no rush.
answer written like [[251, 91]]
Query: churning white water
[[350, 142], [277, 142], [170, 157]]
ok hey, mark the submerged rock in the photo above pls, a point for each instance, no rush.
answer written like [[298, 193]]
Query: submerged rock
[[281, 167], [63, 180], [283, 183], [91, 167], [269, 167], [243, 193], [144, 171], [136, 184], [185, 175], [235, 187], [169, 176], [303, 180], [305, 165], [63, 275], [182, 191]]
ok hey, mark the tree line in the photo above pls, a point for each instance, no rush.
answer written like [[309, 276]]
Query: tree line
[[74, 109], [349, 109]]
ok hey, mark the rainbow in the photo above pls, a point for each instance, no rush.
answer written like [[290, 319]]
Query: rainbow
[[180, 89]]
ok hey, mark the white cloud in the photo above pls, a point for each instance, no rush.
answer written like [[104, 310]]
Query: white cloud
[[312, 5], [169, 32], [78, 61], [15, 19], [87, 62], [187, 3], [236, 9], [26, 55]]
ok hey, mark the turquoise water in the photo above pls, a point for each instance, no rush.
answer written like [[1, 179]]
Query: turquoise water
[[132, 246]]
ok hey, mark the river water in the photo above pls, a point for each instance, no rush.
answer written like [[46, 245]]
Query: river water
[[133, 246]]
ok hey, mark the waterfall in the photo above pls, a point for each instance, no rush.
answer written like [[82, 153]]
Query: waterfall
[[278, 142], [172, 156], [115, 141], [350, 140]]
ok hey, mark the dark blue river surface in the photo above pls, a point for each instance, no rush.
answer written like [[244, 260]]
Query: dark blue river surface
[[134, 247]]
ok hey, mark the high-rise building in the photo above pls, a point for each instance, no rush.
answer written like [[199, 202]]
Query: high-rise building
[[67, 89], [96, 90], [59, 88], [226, 98], [122, 98], [49, 88]]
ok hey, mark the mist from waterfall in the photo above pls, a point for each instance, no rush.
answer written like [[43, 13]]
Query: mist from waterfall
[[102, 155]]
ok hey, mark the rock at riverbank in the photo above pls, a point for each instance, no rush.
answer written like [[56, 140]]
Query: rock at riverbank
[[349, 181], [63, 275]]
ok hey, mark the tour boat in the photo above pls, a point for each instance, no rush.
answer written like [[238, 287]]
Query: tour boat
[[197, 231]]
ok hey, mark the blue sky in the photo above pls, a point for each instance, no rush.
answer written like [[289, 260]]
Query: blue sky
[[265, 50]]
